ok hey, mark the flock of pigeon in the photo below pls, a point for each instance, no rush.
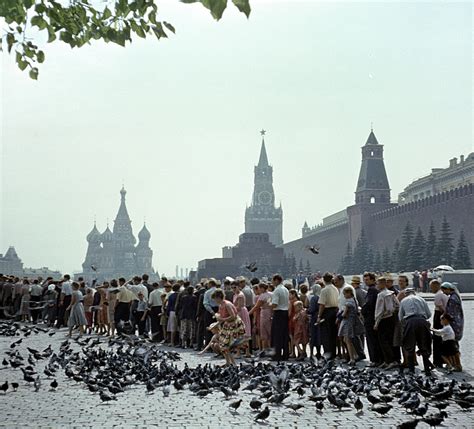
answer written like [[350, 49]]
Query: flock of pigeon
[[109, 368]]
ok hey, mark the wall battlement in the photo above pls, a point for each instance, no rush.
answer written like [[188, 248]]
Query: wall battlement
[[440, 198]]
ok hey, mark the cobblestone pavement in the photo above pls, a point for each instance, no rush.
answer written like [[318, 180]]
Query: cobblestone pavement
[[73, 406]]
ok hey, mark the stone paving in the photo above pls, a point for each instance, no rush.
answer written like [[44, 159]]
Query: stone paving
[[73, 406]]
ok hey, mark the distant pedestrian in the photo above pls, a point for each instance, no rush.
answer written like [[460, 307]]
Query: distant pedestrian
[[328, 308], [77, 317], [368, 312], [187, 317], [280, 335]]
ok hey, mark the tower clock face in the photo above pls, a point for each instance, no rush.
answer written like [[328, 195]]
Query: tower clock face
[[264, 197]]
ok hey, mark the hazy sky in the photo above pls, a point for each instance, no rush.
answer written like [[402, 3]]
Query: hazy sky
[[178, 122]]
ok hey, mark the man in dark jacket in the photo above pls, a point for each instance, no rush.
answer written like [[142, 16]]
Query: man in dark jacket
[[200, 316], [368, 312]]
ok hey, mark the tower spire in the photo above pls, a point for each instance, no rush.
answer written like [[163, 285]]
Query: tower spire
[[263, 160]]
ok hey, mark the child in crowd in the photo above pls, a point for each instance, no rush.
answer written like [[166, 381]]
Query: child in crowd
[[300, 335], [139, 312], [449, 346], [214, 342], [187, 315], [350, 324]]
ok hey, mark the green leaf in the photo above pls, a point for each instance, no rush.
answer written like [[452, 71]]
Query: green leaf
[[40, 8], [51, 34], [107, 13], [39, 22], [10, 41], [152, 17], [169, 26], [158, 30], [40, 57], [243, 6], [34, 73], [216, 7], [22, 64]]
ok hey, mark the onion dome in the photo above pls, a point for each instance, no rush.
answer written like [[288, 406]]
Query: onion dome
[[107, 235], [94, 235], [144, 234]]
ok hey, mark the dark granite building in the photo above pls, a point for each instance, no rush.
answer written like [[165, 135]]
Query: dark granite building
[[251, 248]]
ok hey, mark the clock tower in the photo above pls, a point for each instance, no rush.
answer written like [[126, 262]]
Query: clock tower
[[263, 216]]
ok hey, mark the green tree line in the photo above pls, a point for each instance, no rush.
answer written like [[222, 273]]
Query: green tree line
[[412, 251]]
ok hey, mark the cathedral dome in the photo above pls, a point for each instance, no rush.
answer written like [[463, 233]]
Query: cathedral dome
[[107, 235], [144, 234], [94, 235]]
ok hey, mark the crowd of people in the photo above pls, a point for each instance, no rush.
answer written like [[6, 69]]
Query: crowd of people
[[323, 318]]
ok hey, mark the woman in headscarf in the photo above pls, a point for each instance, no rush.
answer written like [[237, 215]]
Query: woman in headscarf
[[455, 311]]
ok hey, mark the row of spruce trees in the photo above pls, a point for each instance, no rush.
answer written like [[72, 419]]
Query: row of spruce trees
[[412, 252]]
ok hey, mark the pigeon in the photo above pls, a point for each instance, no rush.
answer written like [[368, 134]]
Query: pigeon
[[319, 405], [150, 387], [105, 397], [435, 419], [465, 405], [252, 267], [358, 405], [255, 404], [4, 387], [421, 410], [166, 390], [37, 384], [227, 393], [263, 415], [54, 385], [295, 407], [15, 386], [300, 391], [409, 424], [313, 249], [381, 408], [177, 385], [235, 405]]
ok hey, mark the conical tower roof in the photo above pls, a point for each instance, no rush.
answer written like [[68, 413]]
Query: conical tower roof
[[371, 140], [122, 213], [263, 160]]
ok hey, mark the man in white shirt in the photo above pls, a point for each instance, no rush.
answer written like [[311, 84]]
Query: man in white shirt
[[155, 303], [327, 315], [440, 301], [386, 310], [280, 334]]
